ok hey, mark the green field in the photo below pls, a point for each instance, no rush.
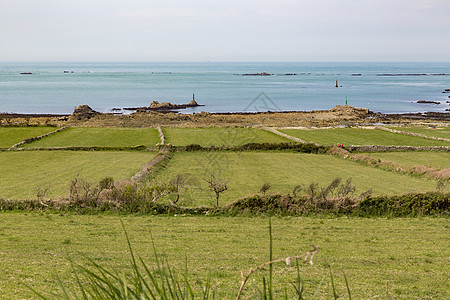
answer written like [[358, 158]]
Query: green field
[[22, 172], [442, 132], [109, 137], [246, 172], [439, 160], [360, 136], [219, 136], [410, 255], [12, 135]]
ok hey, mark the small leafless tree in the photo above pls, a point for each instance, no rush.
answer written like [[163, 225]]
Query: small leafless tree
[[178, 183], [265, 187], [216, 185]]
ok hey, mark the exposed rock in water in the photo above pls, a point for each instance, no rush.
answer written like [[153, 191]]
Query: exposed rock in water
[[164, 106], [83, 112], [193, 103], [257, 74], [428, 102]]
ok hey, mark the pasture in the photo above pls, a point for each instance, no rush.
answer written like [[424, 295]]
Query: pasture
[[246, 172], [102, 137], [23, 172], [407, 258], [441, 132], [360, 136], [219, 136], [12, 135], [439, 160]]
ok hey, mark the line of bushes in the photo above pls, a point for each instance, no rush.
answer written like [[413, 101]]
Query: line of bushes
[[296, 147], [414, 204]]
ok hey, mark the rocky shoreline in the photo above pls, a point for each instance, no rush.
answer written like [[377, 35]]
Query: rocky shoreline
[[341, 115]]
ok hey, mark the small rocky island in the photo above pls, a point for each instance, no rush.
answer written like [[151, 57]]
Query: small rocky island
[[164, 106]]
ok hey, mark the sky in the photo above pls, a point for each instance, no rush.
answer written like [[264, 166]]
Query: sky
[[225, 30]]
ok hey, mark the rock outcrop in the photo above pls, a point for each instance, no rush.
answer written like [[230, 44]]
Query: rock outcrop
[[83, 112]]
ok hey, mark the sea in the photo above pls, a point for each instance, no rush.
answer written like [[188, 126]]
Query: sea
[[56, 88]]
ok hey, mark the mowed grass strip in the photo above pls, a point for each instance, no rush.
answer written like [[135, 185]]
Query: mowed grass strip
[[12, 135], [441, 132], [410, 255], [360, 136], [103, 137], [439, 160], [246, 172], [21, 173], [220, 136]]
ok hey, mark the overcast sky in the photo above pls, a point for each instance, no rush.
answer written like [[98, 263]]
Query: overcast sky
[[225, 30]]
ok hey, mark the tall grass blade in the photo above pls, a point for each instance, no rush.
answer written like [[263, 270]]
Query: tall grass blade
[[270, 259], [318, 288], [335, 295], [348, 288]]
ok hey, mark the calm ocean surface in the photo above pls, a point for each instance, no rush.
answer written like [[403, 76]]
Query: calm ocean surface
[[104, 86]]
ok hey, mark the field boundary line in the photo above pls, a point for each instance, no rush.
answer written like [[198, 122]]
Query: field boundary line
[[163, 155], [417, 170], [287, 136], [381, 148], [162, 136], [413, 134], [83, 148], [36, 138]]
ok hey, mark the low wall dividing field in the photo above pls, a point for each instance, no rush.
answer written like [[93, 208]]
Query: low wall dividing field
[[381, 148]]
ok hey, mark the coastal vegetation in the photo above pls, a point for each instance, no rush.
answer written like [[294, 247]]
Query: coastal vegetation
[[201, 205]]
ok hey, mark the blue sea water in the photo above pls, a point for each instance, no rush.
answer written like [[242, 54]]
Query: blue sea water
[[220, 86]]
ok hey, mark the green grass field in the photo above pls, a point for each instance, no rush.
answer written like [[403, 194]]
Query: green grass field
[[410, 255], [219, 136], [433, 159], [442, 132], [360, 136], [12, 135], [22, 172], [246, 172], [112, 137]]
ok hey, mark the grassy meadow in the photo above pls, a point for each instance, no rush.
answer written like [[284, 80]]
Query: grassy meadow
[[219, 136], [441, 132], [12, 135], [21, 173], [107, 137], [360, 136], [409, 255], [395, 258], [432, 159], [246, 172]]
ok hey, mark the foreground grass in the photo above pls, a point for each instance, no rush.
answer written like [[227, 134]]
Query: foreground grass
[[22, 172], [246, 172], [360, 136], [108, 137], [220, 136], [410, 255], [442, 132], [13, 135], [432, 159]]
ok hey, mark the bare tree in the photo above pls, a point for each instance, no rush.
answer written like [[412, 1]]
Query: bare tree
[[177, 184], [265, 187], [216, 185]]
